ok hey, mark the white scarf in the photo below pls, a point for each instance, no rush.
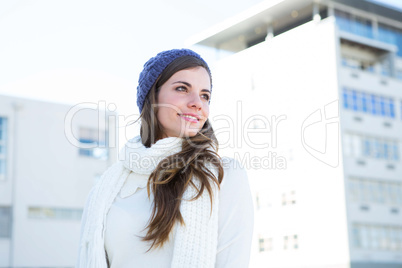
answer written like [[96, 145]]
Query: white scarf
[[195, 244]]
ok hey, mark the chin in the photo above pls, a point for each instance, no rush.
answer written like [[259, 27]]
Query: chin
[[190, 134]]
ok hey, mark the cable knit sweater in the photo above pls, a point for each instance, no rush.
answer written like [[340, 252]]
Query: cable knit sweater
[[193, 245]]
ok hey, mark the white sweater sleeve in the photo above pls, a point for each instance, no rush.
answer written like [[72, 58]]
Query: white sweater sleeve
[[236, 218]]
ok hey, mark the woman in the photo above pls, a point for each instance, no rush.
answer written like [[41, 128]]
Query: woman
[[170, 200]]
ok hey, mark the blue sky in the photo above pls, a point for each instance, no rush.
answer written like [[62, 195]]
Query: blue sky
[[392, 3], [74, 51]]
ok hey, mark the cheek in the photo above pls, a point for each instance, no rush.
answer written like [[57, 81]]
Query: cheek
[[161, 115], [166, 114], [170, 99], [206, 110]]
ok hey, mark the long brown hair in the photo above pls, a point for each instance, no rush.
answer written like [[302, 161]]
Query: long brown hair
[[174, 174]]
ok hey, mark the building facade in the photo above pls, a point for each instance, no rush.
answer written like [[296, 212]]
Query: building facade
[[308, 96], [50, 156]]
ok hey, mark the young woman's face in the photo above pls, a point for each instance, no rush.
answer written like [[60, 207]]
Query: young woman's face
[[183, 102]]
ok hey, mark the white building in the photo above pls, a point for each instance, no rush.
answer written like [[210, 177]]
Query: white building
[[309, 94], [45, 177]]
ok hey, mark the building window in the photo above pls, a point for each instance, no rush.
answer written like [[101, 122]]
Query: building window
[[289, 198], [265, 244], [363, 27], [358, 64], [261, 244], [380, 237], [257, 199], [368, 103], [263, 200], [295, 242], [285, 242], [94, 143], [375, 191], [390, 35], [398, 74], [354, 24], [293, 197], [356, 237], [97, 178], [401, 108], [3, 148], [54, 213], [5, 222], [357, 145], [258, 123], [290, 242]]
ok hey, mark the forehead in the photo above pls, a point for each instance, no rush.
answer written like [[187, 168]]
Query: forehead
[[196, 74]]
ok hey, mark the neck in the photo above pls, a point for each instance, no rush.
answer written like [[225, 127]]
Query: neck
[[143, 160]]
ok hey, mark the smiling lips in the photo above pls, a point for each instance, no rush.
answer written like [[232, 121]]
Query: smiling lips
[[190, 117]]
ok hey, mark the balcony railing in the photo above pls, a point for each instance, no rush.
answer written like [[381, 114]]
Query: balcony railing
[[364, 27]]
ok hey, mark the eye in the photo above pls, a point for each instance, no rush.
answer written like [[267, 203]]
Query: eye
[[181, 88], [206, 97]]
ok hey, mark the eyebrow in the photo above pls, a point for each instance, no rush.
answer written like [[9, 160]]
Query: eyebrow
[[189, 85]]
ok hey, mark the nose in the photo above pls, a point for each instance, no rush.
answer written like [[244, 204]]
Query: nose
[[195, 102]]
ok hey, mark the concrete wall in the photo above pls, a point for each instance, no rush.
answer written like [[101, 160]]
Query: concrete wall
[[48, 173], [289, 81]]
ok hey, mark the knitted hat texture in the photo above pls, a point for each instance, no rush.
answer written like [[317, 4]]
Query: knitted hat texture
[[155, 66]]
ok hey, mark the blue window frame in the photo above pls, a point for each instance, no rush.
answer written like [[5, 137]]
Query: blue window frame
[[378, 149], [354, 97], [5, 222], [363, 27], [382, 106], [392, 109], [368, 103], [386, 152], [364, 102], [356, 237], [366, 147], [373, 104], [387, 101], [353, 24], [390, 35], [395, 152], [94, 143], [345, 99], [344, 62]]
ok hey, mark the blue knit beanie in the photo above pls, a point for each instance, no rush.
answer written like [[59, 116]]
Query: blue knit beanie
[[155, 66]]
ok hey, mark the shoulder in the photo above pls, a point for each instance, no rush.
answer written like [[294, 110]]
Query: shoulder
[[235, 191], [235, 175], [233, 168], [108, 176], [111, 172], [114, 169]]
